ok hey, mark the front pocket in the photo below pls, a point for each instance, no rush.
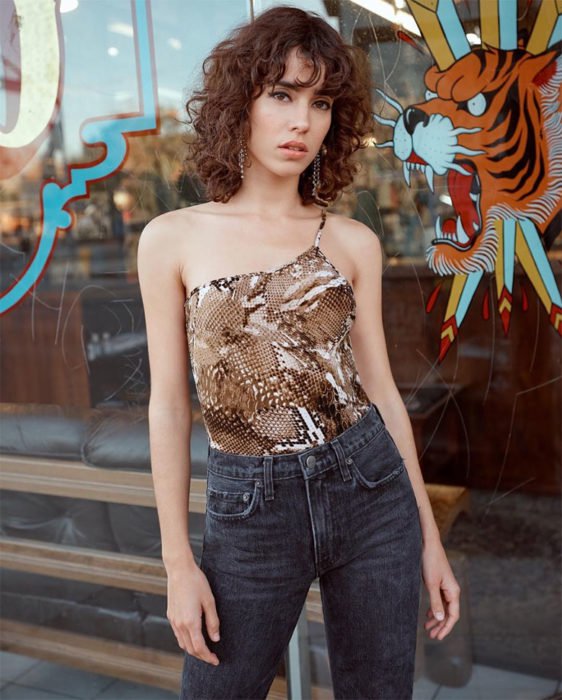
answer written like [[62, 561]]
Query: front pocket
[[378, 462], [231, 504]]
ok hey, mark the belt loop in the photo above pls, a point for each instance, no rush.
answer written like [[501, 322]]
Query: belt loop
[[379, 414], [342, 462], [268, 477]]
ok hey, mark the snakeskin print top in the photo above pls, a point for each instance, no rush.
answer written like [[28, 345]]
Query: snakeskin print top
[[271, 356]]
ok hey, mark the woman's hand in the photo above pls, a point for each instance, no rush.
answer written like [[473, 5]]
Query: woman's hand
[[443, 588], [189, 596]]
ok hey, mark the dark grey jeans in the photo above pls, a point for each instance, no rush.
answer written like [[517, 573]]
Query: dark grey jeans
[[343, 512]]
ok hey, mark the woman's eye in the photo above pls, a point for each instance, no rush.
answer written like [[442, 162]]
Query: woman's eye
[[324, 102], [274, 94]]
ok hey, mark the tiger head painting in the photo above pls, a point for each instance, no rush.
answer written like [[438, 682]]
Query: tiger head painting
[[490, 124]]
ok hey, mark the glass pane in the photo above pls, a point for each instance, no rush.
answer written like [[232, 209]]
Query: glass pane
[[461, 181]]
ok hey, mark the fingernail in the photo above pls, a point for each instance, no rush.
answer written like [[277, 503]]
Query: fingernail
[[439, 615], [216, 636]]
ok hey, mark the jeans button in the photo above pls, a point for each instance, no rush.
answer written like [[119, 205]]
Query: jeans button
[[348, 460], [310, 461], [246, 496]]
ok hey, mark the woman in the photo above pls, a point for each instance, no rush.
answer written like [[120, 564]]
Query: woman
[[312, 466]]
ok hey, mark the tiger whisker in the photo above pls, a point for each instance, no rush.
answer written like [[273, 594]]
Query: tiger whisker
[[397, 106], [463, 130], [467, 151], [383, 120]]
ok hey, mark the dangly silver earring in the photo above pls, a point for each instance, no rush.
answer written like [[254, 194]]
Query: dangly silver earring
[[316, 171], [242, 155]]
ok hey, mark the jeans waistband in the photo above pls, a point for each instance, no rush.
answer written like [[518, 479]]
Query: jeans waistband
[[309, 461]]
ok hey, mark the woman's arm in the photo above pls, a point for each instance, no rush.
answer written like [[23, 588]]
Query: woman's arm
[[371, 357], [189, 594], [169, 412]]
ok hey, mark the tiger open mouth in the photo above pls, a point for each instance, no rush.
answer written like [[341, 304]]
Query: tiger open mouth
[[465, 191]]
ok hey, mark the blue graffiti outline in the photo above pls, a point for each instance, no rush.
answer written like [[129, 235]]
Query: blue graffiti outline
[[110, 133]]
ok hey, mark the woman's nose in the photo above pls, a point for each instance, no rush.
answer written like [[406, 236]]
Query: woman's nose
[[301, 116]]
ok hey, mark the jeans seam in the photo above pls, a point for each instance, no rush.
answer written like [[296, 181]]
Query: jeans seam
[[369, 441], [381, 482], [257, 477], [240, 516]]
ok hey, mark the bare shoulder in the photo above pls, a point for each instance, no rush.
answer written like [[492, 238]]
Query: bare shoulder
[[361, 243], [170, 235], [358, 233], [172, 223]]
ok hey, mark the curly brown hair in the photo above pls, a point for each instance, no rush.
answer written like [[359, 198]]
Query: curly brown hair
[[250, 58]]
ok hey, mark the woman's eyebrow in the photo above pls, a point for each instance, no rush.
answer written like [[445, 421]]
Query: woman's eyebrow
[[294, 86]]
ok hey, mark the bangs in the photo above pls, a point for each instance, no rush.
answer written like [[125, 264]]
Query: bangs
[[254, 57], [333, 73]]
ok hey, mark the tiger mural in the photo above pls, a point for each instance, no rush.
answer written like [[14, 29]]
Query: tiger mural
[[491, 124]]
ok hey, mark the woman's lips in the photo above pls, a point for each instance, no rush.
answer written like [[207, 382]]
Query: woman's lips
[[291, 153]]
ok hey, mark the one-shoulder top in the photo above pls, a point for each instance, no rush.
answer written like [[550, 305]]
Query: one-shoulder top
[[271, 356]]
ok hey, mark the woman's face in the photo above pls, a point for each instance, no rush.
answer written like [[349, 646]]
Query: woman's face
[[282, 114]]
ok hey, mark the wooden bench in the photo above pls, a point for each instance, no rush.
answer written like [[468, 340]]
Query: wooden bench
[[145, 574]]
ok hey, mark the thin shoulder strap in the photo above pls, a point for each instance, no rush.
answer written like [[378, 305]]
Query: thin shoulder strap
[[319, 233]]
